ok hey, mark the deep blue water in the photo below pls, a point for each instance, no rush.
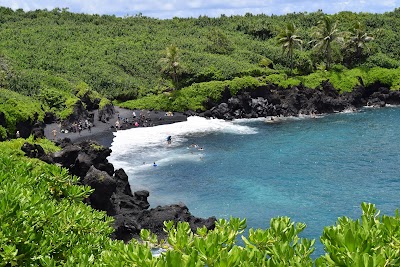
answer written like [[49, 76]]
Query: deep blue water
[[312, 170]]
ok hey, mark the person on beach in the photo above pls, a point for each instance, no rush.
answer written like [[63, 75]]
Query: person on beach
[[134, 115], [154, 164], [54, 131], [117, 125], [90, 127], [169, 139]]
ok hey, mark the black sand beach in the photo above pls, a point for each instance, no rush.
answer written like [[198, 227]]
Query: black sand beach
[[102, 132]]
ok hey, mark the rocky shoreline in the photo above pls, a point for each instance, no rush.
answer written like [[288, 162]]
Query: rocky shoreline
[[87, 159], [112, 191], [275, 101]]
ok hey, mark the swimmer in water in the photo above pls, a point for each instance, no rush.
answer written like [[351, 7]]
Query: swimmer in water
[[154, 164]]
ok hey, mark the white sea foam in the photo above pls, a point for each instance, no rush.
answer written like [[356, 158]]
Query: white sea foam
[[148, 144]]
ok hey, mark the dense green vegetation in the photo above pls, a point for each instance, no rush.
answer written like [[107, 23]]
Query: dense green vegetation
[[55, 56], [17, 107], [45, 223]]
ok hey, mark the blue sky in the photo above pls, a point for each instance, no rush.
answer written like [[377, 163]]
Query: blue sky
[[165, 9]]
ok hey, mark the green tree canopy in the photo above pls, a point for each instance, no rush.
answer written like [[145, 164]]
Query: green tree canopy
[[170, 63], [325, 34], [358, 39], [288, 39]]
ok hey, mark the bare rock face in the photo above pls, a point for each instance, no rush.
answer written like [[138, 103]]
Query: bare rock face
[[273, 101], [35, 151], [78, 158], [104, 187], [153, 219], [79, 113], [112, 191], [106, 112]]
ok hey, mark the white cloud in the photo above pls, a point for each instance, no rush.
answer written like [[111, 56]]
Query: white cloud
[[195, 8]]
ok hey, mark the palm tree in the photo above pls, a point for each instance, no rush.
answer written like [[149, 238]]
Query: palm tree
[[288, 40], [359, 39], [170, 64], [324, 35]]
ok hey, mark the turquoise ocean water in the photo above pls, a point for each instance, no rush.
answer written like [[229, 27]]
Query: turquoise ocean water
[[313, 170]]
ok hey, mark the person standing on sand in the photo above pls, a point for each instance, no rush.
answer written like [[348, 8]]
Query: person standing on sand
[[54, 131]]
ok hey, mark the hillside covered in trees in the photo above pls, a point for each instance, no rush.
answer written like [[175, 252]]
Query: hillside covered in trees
[[56, 57]]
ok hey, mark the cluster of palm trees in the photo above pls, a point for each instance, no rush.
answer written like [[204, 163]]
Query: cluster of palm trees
[[324, 35]]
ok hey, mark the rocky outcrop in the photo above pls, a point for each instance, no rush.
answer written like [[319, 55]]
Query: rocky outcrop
[[106, 113], [79, 113], [272, 100], [36, 151], [152, 219], [90, 102], [112, 191], [38, 130], [104, 187], [78, 158]]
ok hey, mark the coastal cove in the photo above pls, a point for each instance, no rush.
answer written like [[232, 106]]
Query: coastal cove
[[313, 170]]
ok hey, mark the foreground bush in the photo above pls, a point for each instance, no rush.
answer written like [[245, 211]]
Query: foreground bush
[[43, 219], [45, 223]]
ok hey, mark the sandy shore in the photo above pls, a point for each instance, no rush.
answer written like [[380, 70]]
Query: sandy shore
[[102, 132]]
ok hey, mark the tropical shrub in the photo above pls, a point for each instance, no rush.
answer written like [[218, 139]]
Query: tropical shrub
[[43, 218], [3, 133], [83, 89], [383, 61], [69, 107], [104, 102], [387, 77], [192, 97], [18, 108], [372, 240]]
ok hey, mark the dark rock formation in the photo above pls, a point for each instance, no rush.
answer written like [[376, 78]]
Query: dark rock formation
[[112, 191], [36, 151], [38, 131], [90, 103], [78, 158], [153, 219], [49, 117], [104, 187], [2, 119], [106, 112], [273, 101], [79, 113], [25, 127]]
